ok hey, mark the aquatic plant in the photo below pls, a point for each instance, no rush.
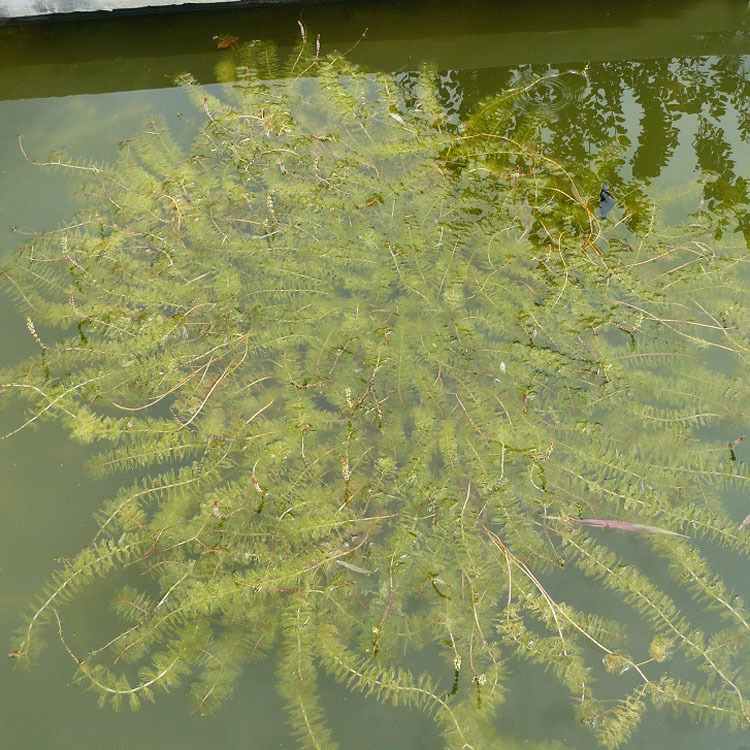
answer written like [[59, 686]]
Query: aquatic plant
[[390, 384]]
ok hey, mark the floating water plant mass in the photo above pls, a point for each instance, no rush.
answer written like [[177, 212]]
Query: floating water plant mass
[[379, 373]]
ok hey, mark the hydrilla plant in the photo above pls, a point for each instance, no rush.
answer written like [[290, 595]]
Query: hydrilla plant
[[389, 381]]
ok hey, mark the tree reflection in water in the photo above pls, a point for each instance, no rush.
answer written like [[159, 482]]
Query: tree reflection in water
[[649, 107]]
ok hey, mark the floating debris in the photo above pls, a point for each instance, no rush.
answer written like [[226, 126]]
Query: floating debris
[[223, 41], [355, 568], [608, 523]]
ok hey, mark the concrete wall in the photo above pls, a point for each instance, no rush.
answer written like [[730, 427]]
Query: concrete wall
[[31, 8]]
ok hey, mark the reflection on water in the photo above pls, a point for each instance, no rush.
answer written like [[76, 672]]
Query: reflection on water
[[673, 119], [651, 109], [660, 123]]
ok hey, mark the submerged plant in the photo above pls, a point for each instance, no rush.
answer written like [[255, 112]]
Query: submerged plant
[[392, 385]]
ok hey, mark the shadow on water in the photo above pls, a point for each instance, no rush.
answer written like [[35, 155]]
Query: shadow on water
[[116, 52]]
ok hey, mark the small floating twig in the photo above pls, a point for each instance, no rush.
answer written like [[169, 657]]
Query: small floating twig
[[355, 568], [609, 523]]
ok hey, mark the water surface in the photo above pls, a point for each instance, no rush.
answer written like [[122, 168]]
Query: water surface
[[673, 83]]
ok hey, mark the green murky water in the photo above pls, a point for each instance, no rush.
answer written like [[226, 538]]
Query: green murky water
[[674, 83]]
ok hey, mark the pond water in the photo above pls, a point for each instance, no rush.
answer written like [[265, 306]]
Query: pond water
[[671, 84]]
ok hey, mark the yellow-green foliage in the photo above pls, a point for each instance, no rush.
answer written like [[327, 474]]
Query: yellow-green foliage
[[384, 369]]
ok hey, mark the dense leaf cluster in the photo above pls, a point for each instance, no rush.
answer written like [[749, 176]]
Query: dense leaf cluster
[[386, 377]]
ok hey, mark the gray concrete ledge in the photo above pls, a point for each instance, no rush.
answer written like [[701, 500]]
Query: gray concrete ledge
[[19, 9]]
